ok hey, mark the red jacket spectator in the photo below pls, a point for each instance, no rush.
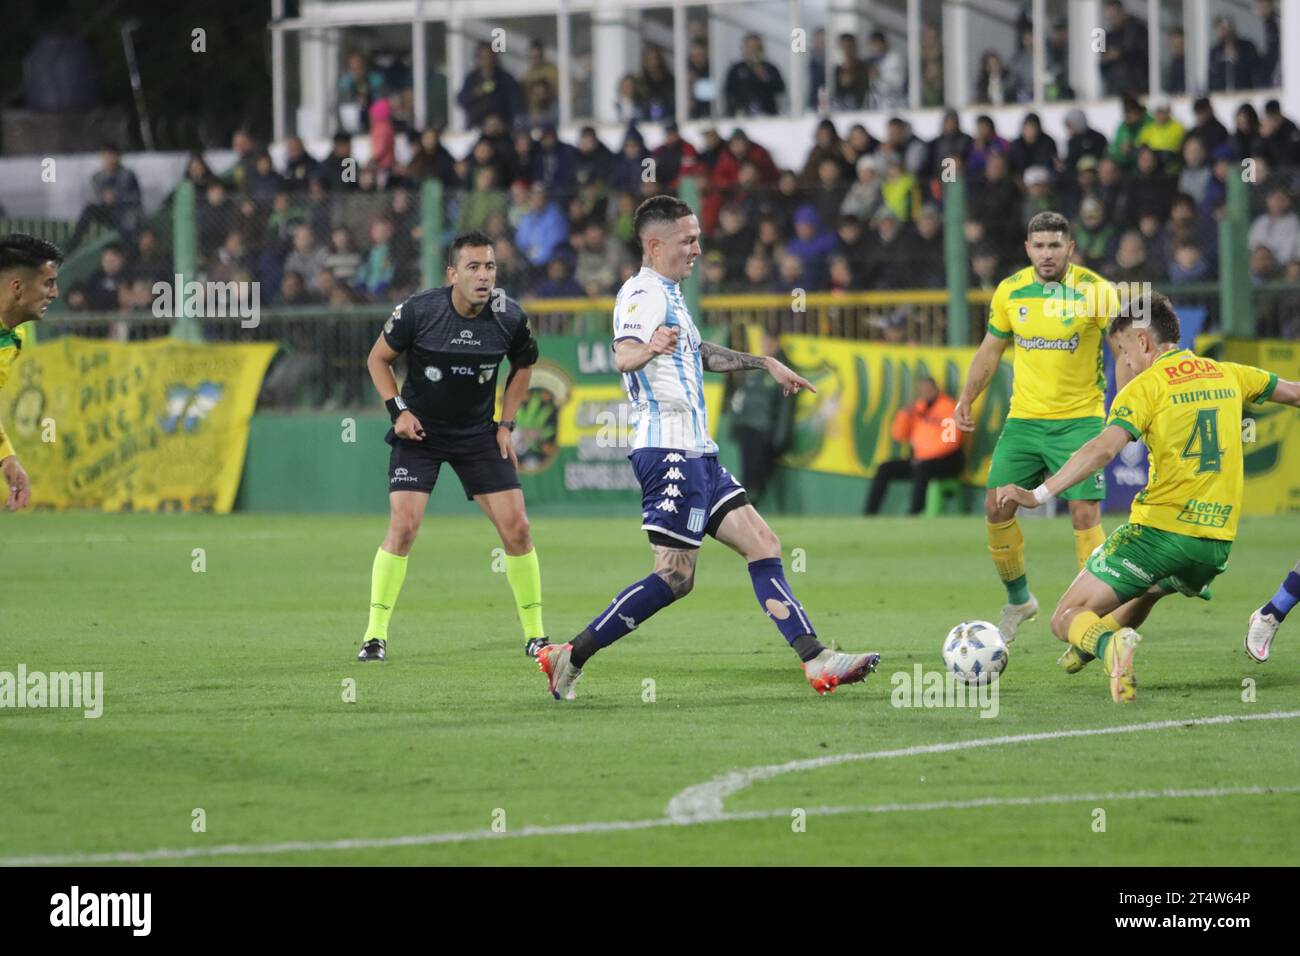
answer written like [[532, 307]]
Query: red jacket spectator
[[726, 173]]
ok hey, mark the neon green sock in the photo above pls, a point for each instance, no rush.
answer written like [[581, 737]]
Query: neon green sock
[[525, 577], [386, 579]]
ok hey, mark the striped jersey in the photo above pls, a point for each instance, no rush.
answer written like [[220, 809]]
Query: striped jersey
[[667, 394]]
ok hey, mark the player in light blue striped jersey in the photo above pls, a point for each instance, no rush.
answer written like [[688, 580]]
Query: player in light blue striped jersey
[[686, 493]]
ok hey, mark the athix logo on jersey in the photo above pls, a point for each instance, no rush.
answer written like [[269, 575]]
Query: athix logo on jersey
[[399, 472], [672, 491], [667, 504], [673, 456], [466, 337], [674, 474], [695, 520]]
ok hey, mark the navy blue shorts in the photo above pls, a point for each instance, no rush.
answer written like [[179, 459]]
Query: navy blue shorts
[[684, 498]]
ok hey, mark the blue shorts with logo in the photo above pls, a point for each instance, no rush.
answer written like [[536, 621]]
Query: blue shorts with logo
[[683, 497]]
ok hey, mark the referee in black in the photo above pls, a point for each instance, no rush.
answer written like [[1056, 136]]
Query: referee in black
[[454, 339]]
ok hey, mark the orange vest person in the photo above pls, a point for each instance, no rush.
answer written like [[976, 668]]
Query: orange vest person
[[927, 425]]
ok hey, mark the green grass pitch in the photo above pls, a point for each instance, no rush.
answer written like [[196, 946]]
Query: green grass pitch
[[223, 691]]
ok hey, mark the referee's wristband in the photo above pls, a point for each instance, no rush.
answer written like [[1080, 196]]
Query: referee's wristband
[[395, 407], [1041, 493]]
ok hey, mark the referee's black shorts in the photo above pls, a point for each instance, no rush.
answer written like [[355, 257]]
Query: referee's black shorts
[[476, 459]]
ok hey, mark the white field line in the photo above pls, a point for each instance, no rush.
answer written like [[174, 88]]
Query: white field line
[[696, 797], [703, 801], [616, 826]]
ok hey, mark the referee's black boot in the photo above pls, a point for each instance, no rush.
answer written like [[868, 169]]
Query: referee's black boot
[[373, 650]]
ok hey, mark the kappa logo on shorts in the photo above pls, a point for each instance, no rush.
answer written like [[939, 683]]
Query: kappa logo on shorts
[[667, 504], [674, 474], [674, 456], [672, 491], [695, 520]]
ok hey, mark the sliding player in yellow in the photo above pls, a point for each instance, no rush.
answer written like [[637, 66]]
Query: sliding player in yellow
[[29, 275], [1188, 411], [1055, 313]]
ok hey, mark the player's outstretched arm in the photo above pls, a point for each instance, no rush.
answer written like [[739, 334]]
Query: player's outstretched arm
[[1286, 393], [982, 369], [631, 354], [719, 359], [1092, 457]]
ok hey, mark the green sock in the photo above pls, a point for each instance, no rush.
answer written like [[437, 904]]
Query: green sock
[[525, 577], [385, 584], [1018, 590]]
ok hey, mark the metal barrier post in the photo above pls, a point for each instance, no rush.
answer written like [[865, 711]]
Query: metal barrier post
[[1236, 315], [690, 194], [956, 260], [431, 234], [184, 261]]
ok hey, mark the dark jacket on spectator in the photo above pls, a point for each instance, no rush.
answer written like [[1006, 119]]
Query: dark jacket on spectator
[[1240, 75], [480, 95], [750, 95], [439, 165], [1090, 142], [1042, 152]]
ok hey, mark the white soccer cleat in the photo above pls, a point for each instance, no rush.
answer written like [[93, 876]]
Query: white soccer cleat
[[553, 661], [1263, 628], [1013, 615], [830, 669]]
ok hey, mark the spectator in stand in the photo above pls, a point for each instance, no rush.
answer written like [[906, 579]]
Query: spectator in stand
[[383, 140], [817, 93], [555, 164], [1124, 61], [481, 202], [246, 151], [700, 79], [598, 261], [829, 193], [1058, 62], [713, 277], [890, 263], [293, 292], [932, 92], [1208, 129], [1234, 61], [1263, 266], [986, 270], [299, 165], [864, 196], [543, 229], [540, 70], [841, 275], [1270, 55], [1038, 194], [488, 88], [925, 425], [674, 158], [726, 174], [106, 288], [1033, 147], [859, 143], [629, 104], [1196, 175], [951, 143], [116, 203], [1247, 140], [923, 245], [342, 259], [854, 246], [232, 261], [994, 85], [900, 190], [1189, 265], [339, 168], [986, 143], [1132, 264], [1083, 141], [790, 273], [306, 258], [1115, 191], [657, 84], [1216, 190], [359, 86], [827, 145], [152, 263], [330, 291], [771, 239], [851, 76], [1175, 78], [888, 72], [1280, 138], [1164, 135], [264, 182], [811, 244], [558, 284], [432, 160], [592, 164], [1153, 189], [540, 104], [1075, 190], [753, 84], [1095, 239], [901, 141], [213, 218], [735, 238], [990, 200], [758, 274], [514, 274], [197, 172], [1123, 147], [627, 171], [1278, 228], [1021, 66], [375, 275]]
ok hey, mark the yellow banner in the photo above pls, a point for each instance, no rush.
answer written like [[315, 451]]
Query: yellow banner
[[134, 426], [845, 428], [1270, 432]]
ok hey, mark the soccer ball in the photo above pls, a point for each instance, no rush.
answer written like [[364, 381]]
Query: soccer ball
[[975, 652]]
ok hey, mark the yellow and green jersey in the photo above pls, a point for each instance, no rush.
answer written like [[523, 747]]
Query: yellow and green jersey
[[1057, 330], [1188, 411], [11, 343]]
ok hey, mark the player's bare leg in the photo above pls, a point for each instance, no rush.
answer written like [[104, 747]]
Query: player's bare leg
[[1007, 548], [405, 512], [506, 511], [745, 532], [1094, 621]]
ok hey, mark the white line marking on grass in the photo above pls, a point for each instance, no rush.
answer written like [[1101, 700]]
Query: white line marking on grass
[[704, 800], [617, 826], [700, 798]]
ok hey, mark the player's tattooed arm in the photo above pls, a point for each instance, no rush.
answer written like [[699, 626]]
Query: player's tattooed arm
[[677, 568], [719, 359]]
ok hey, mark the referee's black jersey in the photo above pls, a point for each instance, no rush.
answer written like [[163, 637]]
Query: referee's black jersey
[[452, 359]]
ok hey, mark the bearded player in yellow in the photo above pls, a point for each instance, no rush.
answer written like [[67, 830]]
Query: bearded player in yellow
[[1188, 411], [29, 274], [1055, 313]]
